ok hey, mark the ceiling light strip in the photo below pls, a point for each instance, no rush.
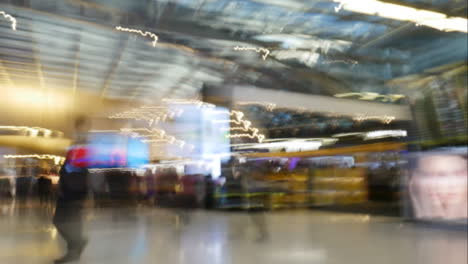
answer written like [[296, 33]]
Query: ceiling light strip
[[427, 18]]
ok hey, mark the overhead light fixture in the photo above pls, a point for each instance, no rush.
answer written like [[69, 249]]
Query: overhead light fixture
[[348, 134], [368, 96], [420, 17], [306, 57], [378, 134], [296, 41], [288, 146], [385, 134]]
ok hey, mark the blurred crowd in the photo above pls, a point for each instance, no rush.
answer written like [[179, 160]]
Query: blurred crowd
[[164, 187]]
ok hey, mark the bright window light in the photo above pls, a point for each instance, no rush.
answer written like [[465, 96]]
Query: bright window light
[[398, 12]]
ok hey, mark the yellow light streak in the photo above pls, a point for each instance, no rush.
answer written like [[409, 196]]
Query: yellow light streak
[[245, 126], [243, 129], [236, 129], [384, 119], [153, 131], [151, 114], [153, 135], [252, 136], [56, 159], [265, 51], [33, 131], [9, 18], [137, 31]]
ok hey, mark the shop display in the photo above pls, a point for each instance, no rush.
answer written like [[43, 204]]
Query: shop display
[[338, 186]]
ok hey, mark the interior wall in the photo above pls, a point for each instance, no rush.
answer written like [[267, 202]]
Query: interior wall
[[318, 103]]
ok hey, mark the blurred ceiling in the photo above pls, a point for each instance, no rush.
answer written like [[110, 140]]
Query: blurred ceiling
[[316, 46]]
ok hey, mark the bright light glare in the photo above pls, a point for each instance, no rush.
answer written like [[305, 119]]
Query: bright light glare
[[32, 131], [265, 52], [288, 146], [57, 159], [398, 12], [9, 18], [35, 98], [378, 134], [385, 134], [137, 31]]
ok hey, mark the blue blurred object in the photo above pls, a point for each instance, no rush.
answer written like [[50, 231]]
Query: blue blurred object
[[137, 153], [110, 150]]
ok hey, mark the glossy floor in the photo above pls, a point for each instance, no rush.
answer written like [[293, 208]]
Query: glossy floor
[[147, 235]]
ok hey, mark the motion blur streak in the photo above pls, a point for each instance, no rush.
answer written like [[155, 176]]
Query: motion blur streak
[[9, 18], [144, 34], [57, 159], [233, 131], [265, 51]]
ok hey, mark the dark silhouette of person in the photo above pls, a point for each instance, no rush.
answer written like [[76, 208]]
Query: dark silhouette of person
[[24, 186], [44, 190], [72, 192], [119, 182], [209, 192], [150, 185]]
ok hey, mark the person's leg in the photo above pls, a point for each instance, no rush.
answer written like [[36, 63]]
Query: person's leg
[[60, 222], [62, 230], [77, 241], [69, 225], [72, 234], [259, 221]]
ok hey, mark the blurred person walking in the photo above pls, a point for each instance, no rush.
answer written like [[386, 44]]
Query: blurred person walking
[[72, 192], [7, 190], [150, 180], [255, 211], [209, 201]]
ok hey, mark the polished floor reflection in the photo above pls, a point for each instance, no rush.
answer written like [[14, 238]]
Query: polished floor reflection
[[147, 235]]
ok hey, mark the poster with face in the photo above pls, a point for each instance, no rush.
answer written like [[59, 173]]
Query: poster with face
[[437, 185]]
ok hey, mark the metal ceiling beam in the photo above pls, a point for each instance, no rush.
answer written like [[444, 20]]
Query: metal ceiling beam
[[114, 66]]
